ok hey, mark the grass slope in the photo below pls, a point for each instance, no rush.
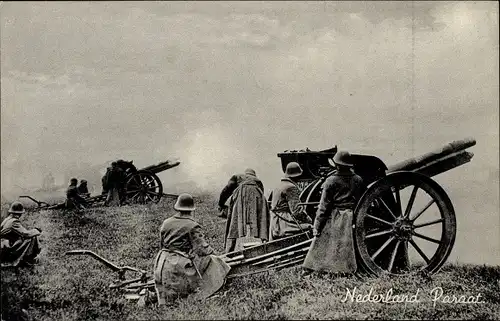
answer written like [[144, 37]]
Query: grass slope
[[76, 288]]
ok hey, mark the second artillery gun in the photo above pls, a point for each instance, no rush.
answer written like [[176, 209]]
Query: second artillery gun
[[139, 185]]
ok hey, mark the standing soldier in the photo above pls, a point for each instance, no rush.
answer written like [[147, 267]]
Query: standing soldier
[[248, 215], [114, 184], [287, 216], [185, 262], [332, 249], [227, 191], [19, 246]]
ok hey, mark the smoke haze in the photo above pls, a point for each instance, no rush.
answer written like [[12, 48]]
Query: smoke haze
[[226, 86]]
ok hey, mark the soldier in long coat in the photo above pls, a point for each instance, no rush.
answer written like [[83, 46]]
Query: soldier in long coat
[[287, 216], [185, 262], [248, 214], [114, 184], [332, 249], [19, 246], [228, 190]]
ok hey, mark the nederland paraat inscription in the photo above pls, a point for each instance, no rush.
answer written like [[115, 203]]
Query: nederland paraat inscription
[[437, 295]]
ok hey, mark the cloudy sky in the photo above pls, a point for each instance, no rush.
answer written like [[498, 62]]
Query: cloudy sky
[[224, 86]]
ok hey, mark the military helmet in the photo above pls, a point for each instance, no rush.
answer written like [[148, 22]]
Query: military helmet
[[342, 158], [293, 170], [83, 181], [250, 171], [16, 208], [185, 202]]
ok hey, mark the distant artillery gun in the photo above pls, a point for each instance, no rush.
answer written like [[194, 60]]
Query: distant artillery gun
[[385, 224], [141, 186]]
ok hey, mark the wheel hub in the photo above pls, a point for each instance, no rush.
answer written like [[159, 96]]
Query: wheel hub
[[403, 229]]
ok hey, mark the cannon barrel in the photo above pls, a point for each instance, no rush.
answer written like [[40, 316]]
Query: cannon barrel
[[438, 161], [163, 166]]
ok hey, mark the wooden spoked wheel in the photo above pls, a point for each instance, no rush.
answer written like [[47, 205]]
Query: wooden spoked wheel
[[311, 195], [143, 187], [404, 224]]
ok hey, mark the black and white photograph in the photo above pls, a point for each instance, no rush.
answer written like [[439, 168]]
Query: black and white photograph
[[249, 160]]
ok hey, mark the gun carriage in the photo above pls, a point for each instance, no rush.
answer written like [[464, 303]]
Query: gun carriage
[[402, 204], [139, 185]]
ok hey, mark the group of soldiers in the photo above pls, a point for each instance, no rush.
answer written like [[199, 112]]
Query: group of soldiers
[[113, 187], [20, 246], [251, 220], [76, 196], [186, 263]]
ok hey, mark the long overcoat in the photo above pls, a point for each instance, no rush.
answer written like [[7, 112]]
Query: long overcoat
[[287, 216], [18, 244], [332, 250], [248, 211], [185, 263]]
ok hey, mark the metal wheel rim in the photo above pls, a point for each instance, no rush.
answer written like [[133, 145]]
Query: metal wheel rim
[[440, 198], [143, 187]]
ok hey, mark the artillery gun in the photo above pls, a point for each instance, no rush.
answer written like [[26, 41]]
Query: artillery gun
[[140, 185], [399, 204]]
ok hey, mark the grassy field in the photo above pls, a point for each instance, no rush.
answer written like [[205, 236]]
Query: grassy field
[[76, 288]]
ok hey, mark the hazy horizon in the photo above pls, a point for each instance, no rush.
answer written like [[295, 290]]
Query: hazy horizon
[[225, 86]]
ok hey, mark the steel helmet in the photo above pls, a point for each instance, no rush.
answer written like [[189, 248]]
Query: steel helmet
[[293, 170], [342, 158], [250, 171], [185, 202], [16, 208]]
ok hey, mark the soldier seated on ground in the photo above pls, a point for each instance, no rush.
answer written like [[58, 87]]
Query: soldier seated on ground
[[19, 246], [186, 262], [83, 190], [73, 199]]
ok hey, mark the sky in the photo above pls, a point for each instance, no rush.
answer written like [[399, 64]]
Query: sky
[[224, 86]]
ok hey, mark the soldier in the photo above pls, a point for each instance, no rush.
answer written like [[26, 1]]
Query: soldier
[[226, 193], [114, 184], [287, 216], [332, 249], [73, 199], [185, 262], [248, 215], [104, 181], [233, 183], [19, 246], [83, 189]]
